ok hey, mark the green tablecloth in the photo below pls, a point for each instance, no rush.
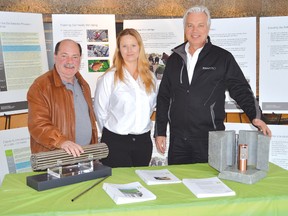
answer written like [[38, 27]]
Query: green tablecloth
[[269, 196]]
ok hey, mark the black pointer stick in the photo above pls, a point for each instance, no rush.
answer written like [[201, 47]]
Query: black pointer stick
[[98, 182]]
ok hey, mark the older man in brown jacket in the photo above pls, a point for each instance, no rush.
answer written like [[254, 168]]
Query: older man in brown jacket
[[60, 112]]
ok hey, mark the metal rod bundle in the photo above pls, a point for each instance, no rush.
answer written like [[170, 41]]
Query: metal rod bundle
[[44, 160]]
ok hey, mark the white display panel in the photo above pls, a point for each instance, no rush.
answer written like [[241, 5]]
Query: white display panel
[[96, 33], [14, 151], [22, 58], [159, 36], [273, 74]]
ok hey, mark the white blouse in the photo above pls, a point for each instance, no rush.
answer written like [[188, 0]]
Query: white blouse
[[123, 108]]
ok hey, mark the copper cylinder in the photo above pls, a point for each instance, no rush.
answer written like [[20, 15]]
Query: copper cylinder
[[242, 157]]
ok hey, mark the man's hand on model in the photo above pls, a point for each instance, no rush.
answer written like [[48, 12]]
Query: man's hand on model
[[72, 148]]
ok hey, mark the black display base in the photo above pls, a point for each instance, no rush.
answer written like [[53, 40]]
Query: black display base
[[45, 181]]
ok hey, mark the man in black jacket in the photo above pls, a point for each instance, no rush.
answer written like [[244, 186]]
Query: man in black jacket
[[192, 93]]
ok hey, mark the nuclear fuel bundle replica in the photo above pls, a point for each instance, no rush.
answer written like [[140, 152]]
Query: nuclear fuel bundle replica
[[242, 157], [64, 169]]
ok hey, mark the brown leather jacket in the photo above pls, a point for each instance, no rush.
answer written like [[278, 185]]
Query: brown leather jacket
[[51, 117]]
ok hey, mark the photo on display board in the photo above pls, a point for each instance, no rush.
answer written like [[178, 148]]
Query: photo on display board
[[157, 63], [98, 65], [97, 35]]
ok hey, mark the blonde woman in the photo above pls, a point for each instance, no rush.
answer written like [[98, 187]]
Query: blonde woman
[[125, 98]]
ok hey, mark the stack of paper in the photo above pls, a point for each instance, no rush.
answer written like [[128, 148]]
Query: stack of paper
[[154, 177], [128, 193], [208, 187]]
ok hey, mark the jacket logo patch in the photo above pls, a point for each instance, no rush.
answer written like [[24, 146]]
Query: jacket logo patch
[[208, 68]]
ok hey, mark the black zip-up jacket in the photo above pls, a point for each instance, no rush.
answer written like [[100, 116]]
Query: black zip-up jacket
[[193, 110]]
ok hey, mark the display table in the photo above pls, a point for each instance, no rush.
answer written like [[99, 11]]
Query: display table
[[269, 196]]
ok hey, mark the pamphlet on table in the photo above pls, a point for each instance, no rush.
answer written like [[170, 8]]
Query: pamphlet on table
[[154, 177], [128, 193], [208, 187]]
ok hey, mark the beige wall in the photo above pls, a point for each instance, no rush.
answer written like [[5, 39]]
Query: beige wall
[[143, 9]]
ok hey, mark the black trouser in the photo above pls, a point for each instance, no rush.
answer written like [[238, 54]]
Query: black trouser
[[127, 150], [187, 151]]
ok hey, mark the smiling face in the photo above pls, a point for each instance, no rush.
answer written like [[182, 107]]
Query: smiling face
[[196, 29], [67, 60], [129, 49]]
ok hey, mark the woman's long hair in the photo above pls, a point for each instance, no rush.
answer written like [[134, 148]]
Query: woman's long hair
[[143, 64]]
